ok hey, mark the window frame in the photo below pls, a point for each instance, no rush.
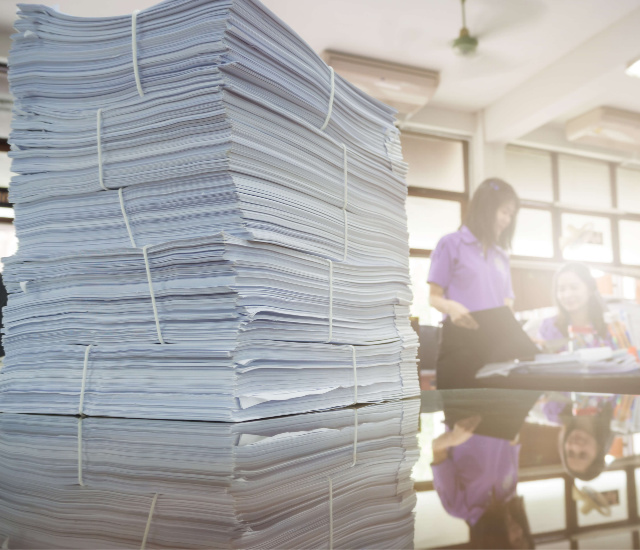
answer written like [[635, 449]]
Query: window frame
[[4, 191], [461, 197], [614, 214]]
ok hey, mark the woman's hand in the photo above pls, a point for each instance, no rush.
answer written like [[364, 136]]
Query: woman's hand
[[460, 316], [462, 431]]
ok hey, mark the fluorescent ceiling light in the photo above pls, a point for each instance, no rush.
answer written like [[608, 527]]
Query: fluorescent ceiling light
[[633, 69]]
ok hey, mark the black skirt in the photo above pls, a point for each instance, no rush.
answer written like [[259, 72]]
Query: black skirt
[[458, 360]]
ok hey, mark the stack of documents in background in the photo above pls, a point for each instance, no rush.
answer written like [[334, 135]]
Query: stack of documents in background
[[338, 479], [628, 313], [602, 360], [211, 221]]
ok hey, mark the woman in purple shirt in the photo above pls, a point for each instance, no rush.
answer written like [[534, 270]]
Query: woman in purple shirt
[[469, 272], [476, 478]]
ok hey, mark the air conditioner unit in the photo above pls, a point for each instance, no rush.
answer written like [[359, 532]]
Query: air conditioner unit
[[406, 88], [606, 127]]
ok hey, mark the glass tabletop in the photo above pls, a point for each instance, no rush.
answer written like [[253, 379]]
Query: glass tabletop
[[486, 468]]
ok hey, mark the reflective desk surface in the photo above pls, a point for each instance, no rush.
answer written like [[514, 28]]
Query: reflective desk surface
[[485, 468]]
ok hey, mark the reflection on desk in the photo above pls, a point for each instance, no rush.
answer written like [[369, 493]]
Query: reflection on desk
[[336, 479], [554, 470]]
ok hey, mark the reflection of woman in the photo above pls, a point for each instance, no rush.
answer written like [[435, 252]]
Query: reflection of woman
[[579, 307], [470, 272], [586, 434], [476, 478]]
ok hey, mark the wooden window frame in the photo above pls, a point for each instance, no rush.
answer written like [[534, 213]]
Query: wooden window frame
[[572, 530], [461, 197], [4, 193], [555, 208]]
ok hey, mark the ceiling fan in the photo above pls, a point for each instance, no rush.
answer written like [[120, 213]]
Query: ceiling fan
[[465, 44]]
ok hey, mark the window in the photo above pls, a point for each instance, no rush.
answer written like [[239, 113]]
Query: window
[[530, 173], [430, 219], [630, 242], [628, 190], [607, 481], [584, 182], [8, 241], [438, 195], [575, 208], [586, 238], [5, 169], [420, 307], [534, 234], [544, 499], [434, 163]]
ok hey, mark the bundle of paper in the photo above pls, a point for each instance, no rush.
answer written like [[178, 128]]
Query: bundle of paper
[[257, 379], [211, 221], [214, 289], [213, 329], [189, 165], [92, 63], [339, 479]]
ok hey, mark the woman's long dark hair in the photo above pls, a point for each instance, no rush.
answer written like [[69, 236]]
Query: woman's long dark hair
[[599, 426], [491, 194], [595, 305]]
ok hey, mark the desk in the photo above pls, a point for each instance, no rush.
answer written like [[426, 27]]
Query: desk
[[614, 383]]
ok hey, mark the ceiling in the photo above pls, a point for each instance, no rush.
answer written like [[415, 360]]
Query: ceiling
[[518, 40]]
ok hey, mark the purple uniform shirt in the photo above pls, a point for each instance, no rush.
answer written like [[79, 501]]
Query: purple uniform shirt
[[556, 405], [474, 471], [549, 331], [467, 275]]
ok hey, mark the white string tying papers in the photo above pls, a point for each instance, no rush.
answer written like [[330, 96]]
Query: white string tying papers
[[344, 202], [80, 481], [330, 302], [134, 51], [153, 297], [346, 173], [126, 218], [99, 145], [331, 96], [84, 379], [23, 286], [5, 544], [148, 527]]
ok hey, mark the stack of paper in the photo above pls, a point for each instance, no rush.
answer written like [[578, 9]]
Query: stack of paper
[[338, 479], [188, 166], [232, 124], [211, 221], [212, 329]]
